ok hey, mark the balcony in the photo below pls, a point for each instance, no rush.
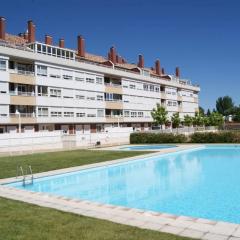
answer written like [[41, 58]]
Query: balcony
[[113, 88], [114, 104], [22, 98], [114, 118], [23, 118], [24, 77]]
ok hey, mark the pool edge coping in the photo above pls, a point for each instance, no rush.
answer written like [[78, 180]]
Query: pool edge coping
[[179, 225]]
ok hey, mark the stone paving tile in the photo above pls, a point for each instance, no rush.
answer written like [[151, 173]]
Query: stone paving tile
[[181, 223], [223, 230], [236, 233], [135, 222], [152, 226], [211, 236], [207, 221], [192, 233], [234, 238], [201, 227], [172, 229]]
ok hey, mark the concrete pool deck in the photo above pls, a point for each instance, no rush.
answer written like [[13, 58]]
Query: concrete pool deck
[[180, 225]]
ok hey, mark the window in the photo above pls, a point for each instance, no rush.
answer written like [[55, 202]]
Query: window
[[99, 80], [152, 88], [54, 76], [140, 114], [42, 91], [89, 80], [145, 87], [99, 98], [3, 65], [91, 98], [80, 79], [80, 97], [68, 114], [132, 86], [41, 70], [55, 92], [133, 114], [81, 114], [56, 114], [91, 115], [100, 113], [126, 113], [39, 48], [157, 89], [67, 77], [42, 112]]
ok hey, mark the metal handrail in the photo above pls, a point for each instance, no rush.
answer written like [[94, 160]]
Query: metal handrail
[[24, 176]]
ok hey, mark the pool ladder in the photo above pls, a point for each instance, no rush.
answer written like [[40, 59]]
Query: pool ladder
[[25, 177]]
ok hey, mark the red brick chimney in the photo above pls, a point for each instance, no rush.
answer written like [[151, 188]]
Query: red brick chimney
[[140, 61], [113, 54], [163, 71], [177, 72], [61, 43], [48, 40], [158, 67], [81, 46], [31, 31], [2, 28]]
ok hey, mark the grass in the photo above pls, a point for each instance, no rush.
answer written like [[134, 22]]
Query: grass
[[26, 221], [42, 162]]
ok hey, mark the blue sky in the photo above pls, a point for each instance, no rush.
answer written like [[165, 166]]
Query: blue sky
[[202, 37]]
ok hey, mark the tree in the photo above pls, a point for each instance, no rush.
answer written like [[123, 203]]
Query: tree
[[216, 119], [208, 112], [236, 115], [188, 121], [198, 119], [175, 120], [159, 115], [201, 111], [224, 105]]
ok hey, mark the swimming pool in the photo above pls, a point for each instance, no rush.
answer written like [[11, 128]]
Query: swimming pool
[[201, 183], [147, 147]]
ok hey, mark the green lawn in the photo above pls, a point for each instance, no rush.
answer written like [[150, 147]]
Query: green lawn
[[56, 160], [22, 221], [26, 221]]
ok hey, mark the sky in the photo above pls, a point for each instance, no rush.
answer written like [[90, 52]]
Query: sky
[[202, 37]]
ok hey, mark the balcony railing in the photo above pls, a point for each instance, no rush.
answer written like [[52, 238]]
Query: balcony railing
[[23, 115], [20, 93], [21, 72], [113, 85], [114, 116]]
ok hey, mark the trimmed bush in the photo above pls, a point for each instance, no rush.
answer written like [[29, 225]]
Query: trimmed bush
[[201, 137], [215, 137], [137, 138]]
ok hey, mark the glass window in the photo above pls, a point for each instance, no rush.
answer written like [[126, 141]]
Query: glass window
[[100, 113], [55, 92], [3, 65], [80, 97], [42, 112], [89, 80], [41, 70], [81, 114], [99, 80], [99, 97]]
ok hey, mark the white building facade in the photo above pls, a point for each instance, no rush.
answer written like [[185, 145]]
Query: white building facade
[[47, 87]]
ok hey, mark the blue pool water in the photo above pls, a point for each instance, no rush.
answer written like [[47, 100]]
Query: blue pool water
[[204, 183], [148, 147]]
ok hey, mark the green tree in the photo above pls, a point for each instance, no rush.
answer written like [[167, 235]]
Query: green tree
[[187, 121], [236, 114], [224, 105], [216, 119], [208, 112], [175, 120], [198, 119], [201, 111], [159, 115]]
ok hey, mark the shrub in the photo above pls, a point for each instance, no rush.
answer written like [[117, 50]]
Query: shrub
[[201, 137], [136, 138], [215, 137]]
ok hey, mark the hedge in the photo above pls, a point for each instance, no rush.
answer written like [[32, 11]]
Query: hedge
[[203, 137], [136, 138]]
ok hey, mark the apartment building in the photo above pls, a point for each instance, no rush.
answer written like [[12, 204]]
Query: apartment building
[[44, 86]]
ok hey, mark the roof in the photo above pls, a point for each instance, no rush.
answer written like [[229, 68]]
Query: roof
[[13, 39]]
